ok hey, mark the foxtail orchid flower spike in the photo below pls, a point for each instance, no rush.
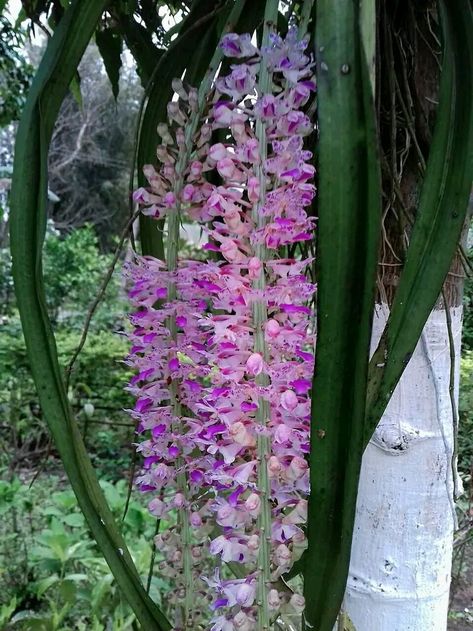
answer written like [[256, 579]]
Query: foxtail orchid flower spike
[[241, 344]]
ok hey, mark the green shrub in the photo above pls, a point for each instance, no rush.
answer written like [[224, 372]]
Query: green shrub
[[465, 434], [52, 575], [467, 330], [74, 268], [96, 394]]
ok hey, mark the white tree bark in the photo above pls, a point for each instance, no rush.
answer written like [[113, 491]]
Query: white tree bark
[[402, 549]]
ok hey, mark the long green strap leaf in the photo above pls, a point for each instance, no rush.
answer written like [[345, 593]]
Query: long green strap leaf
[[27, 225], [110, 47], [441, 213], [348, 230]]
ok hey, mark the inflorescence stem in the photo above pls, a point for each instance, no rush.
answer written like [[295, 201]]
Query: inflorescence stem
[[174, 221], [259, 319], [306, 13]]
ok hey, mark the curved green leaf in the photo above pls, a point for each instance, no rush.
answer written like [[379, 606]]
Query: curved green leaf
[[139, 41], [441, 214], [109, 44], [349, 204], [27, 225]]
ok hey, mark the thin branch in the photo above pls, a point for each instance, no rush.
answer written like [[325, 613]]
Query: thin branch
[[73, 155], [153, 557], [99, 298], [113, 423], [451, 392], [130, 483]]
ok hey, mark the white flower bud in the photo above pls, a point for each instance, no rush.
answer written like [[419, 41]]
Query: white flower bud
[[252, 504], [242, 622], [298, 603], [274, 602], [179, 89], [282, 555], [245, 595], [253, 543], [156, 507]]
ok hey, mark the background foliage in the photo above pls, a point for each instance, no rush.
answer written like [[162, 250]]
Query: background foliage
[[15, 71], [52, 575]]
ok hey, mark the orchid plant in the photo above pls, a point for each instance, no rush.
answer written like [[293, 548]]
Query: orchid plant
[[223, 349], [223, 366]]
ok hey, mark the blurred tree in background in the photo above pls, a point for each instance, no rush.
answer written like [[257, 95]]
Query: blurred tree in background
[[15, 71]]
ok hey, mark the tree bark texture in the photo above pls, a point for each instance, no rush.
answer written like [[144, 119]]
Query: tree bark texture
[[402, 547], [401, 556]]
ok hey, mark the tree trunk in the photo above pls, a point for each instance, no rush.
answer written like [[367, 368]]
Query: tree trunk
[[402, 546], [401, 556]]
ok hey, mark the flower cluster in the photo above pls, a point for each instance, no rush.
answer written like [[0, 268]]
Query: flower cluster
[[224, 364]]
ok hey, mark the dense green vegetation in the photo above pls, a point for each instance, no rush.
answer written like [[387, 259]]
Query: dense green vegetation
[[96, 380], [52, 574], [465, 438], [15, 71]]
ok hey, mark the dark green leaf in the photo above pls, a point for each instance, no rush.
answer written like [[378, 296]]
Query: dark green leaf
[[68, 591], [34, 621], [75, 89], [347, 246], [27, 225], [44, 584], [141, 45], [109, 44]]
